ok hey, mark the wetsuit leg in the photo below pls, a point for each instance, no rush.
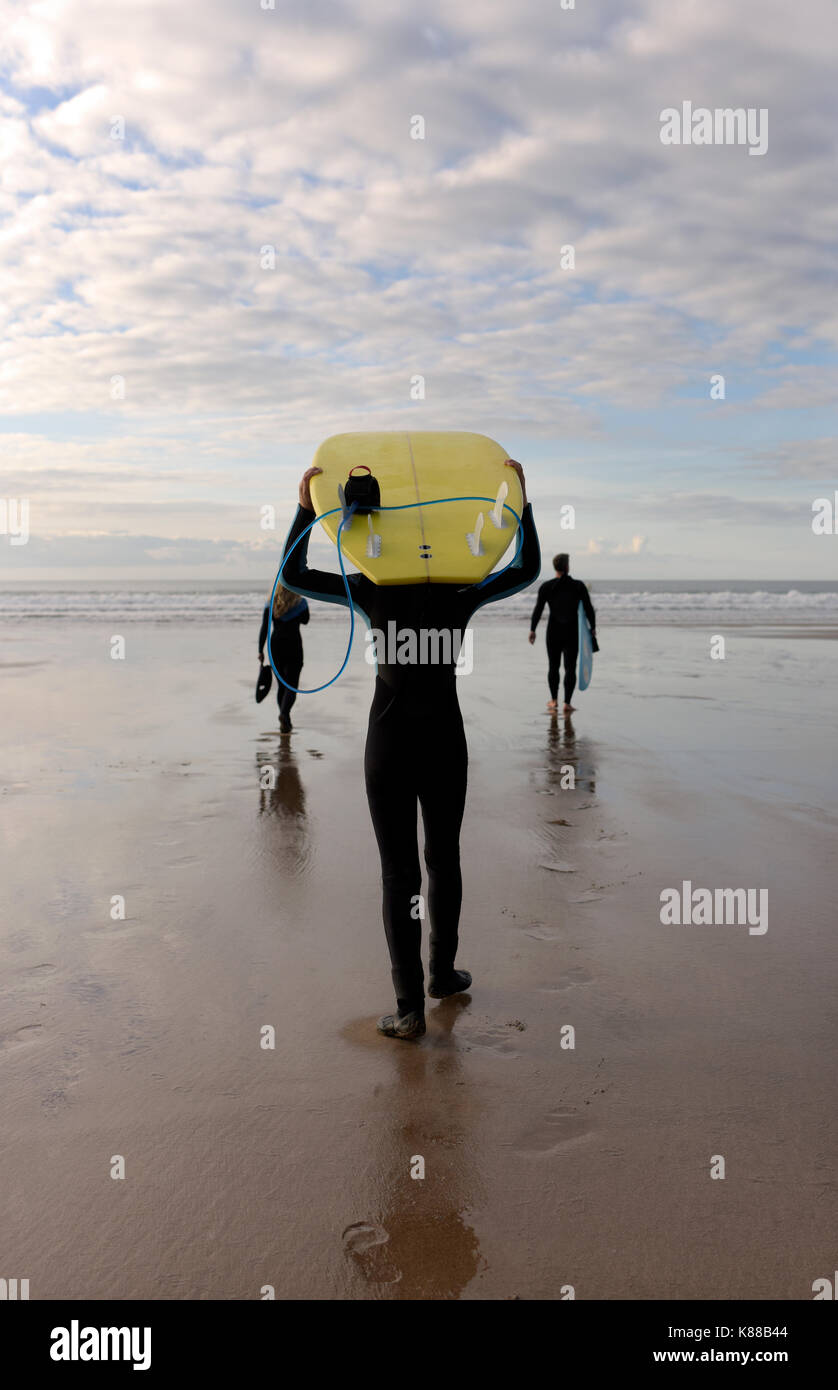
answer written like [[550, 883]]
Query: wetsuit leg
[[442, 795], [288, 660], [554, 652], [390, 761], [570, 652]]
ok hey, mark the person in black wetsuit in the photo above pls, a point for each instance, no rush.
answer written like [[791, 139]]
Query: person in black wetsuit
[[562, 596], [415, 753], [290, 612]]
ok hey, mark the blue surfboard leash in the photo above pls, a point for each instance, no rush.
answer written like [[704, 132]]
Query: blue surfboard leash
[[347, 517]]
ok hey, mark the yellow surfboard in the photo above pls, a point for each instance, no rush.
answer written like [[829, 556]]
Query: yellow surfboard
[[453, 543]]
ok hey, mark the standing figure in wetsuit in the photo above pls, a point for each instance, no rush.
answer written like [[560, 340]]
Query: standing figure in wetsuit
[[562, 596], [290, 612], [415, 753]]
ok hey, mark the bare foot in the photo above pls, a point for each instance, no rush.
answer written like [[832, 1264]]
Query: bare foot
[[568, 709], [552, 704]]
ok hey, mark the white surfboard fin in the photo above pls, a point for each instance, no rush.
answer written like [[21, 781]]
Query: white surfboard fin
[[342, 499], [496, 514], [373, 541], [473, 537]]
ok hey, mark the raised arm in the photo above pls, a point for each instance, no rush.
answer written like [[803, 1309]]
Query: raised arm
[[528, 564], [296, 574]]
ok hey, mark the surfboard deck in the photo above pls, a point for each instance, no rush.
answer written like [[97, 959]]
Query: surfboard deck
[[586, 650], [427, 544]]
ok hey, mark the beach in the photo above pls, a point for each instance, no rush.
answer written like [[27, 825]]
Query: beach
[[250, 880]]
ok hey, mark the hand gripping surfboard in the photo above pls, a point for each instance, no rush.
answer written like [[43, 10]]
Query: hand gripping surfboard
[[453, 543]]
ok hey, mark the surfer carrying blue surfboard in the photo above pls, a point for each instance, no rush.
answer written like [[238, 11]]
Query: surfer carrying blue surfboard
[[562, 596], [415, 754]]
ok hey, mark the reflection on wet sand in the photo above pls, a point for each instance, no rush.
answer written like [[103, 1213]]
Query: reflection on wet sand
[[415, 1241], [564, 750], [282, 804]]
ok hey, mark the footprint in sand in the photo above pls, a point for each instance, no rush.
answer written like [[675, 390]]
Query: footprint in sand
[[366, 1243], [539, 932], [554, 1132], [29, 1033], [32, 976], [494, 1038], [558, 866], [577, 975]]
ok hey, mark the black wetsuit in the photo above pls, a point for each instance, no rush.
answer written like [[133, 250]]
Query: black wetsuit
[[416, 746], [286, 651], [562, 595]]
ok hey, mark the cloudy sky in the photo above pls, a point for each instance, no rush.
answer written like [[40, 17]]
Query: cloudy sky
[[161, 381]]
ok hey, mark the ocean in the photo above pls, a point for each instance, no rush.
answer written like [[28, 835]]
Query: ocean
[[786, 603]]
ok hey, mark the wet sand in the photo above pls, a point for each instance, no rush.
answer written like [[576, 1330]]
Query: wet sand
[[246, 906]]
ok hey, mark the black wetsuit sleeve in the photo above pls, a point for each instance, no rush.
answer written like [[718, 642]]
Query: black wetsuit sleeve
[[305, 615], [520, 574], [539, 607], [263, 632], [296, 574], [590, 612]]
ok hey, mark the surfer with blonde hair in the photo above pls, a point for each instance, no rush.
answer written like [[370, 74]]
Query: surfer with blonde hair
[[289, 613]]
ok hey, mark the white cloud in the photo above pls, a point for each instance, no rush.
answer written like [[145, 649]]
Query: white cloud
[[245, 127], [615, 549]]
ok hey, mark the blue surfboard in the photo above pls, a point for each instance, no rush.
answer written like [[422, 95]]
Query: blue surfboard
[[586, 650]]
